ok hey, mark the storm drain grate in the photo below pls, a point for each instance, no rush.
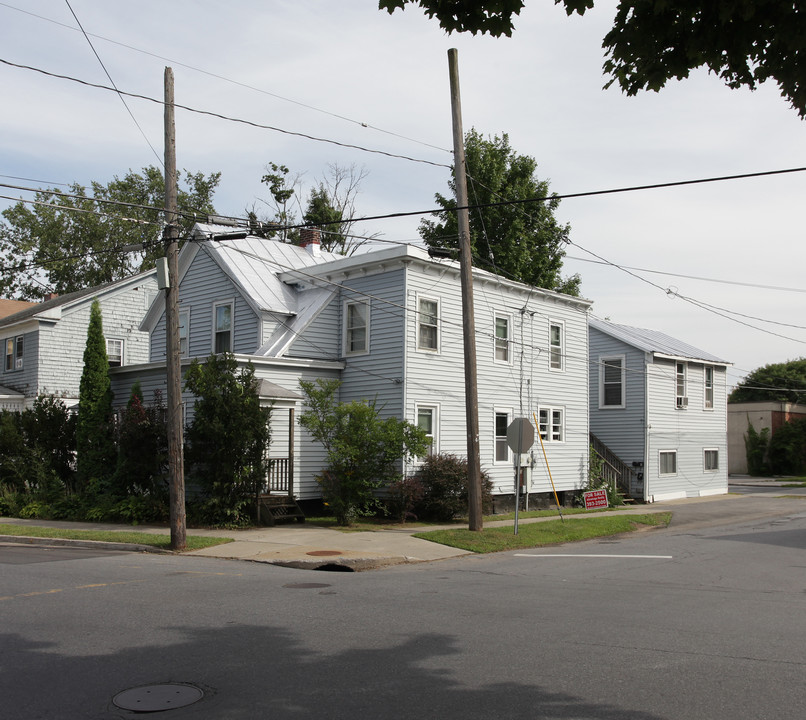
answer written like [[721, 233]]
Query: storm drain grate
[[155, 698]]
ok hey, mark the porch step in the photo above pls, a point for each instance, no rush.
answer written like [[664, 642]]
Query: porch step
[[274, 508]]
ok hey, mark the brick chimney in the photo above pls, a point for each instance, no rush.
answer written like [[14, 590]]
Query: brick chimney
[[309, 239], [51, 296]]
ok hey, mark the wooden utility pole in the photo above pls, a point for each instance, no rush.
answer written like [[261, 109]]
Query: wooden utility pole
[[468, 320], [174, 400]]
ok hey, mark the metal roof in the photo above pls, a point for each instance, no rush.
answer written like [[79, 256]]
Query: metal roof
[[654, 342], [254, 263]]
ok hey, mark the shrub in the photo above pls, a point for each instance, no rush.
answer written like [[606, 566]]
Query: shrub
[[404, 496], [787, 449], [445, 480]]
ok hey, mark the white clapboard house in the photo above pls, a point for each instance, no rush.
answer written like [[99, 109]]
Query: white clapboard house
[[387, 322]]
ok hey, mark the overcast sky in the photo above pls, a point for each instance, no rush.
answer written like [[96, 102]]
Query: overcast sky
[[347, 72]]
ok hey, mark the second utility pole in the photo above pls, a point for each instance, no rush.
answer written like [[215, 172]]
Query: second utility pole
[[468, 319]]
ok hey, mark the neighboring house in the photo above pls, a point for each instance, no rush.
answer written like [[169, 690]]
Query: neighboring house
[[761, 415], [388, 324], [43, 345], [661, 406]]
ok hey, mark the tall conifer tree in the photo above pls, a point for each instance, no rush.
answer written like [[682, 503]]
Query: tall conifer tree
[[95, 456]]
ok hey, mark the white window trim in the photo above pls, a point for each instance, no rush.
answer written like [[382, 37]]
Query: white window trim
[[681, 401], [122, 349], [551, 409], [345, 336], [186, 323], [663, 452], [16, 362], [496, 412], [216, 305], [420, 348], [705, 405], [707, 469], [602, 360], [434, 423], [561, 325], [510, 326]]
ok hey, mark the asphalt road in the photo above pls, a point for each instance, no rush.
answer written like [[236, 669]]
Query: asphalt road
[[703, 620]]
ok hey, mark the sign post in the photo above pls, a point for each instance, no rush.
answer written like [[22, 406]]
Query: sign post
[[520, 438]]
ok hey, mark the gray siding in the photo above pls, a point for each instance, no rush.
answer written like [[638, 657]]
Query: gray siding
[[377, 375], [53, 359], [24, 380], [623, 430], [321, 338], [205, 284]]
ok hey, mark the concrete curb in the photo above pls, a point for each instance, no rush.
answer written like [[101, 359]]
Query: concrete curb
[[87, 544]]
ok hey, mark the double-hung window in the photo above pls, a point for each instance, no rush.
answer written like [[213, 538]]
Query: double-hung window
[[428, 324], [556, 351], [114, 352], [667, 462], [428, 422], [550, 424], [611, 382], [501, 447], [356, 328], [14, 351], [502, 340], [710, 460], [222, 327], [681, 399], [709, 387]]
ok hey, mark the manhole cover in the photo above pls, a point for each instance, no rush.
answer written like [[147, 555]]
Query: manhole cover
[[154, 698], [324, 553], [305, 586]]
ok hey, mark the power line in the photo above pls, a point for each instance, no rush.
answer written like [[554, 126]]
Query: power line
[[234, 82], [122, 99], [228, 118], [692, 277], [43, 182]]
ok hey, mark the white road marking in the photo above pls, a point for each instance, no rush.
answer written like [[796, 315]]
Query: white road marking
[[642, 557]]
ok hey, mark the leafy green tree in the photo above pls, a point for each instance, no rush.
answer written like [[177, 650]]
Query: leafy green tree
[[522, 241], [95, 442], [363, 451], [745, 42], [775, 382], [63, 244], [756, 446], [228, 438]]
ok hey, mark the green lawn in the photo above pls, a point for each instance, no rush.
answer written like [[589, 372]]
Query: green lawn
[[163, 542], [551, 532]]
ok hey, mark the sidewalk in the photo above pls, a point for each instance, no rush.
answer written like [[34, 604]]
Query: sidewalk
[[310, 547]]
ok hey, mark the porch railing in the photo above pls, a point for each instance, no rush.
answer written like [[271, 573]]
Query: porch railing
[[279, 476], [614, 469]]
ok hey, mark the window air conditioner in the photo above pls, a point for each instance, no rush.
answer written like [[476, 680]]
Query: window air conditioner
[[682, 402]]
